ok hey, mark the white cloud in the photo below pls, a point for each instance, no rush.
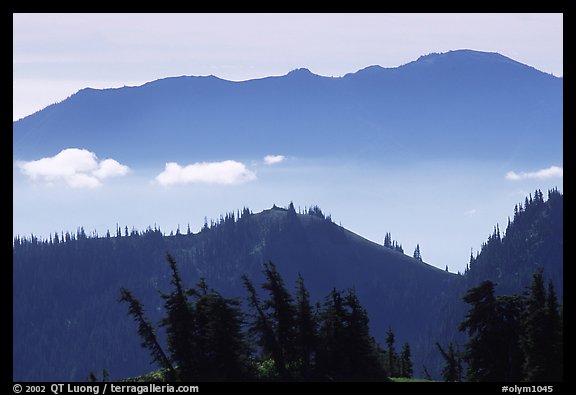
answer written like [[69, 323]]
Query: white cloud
[[550, 172], [228, 172], [470, 212], [78, 168], [273, 159], [110, 168]]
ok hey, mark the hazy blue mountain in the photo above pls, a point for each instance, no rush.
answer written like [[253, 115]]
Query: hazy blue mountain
[[460, 104]]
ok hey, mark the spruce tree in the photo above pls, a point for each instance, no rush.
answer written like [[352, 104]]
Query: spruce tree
[[493, 326], [330, 357], [417, 254], [392, 357], [306, 329], [542, 339], [224, 352], [181, 328], [452, 370], [555, 367], [359, 347], [146, 332], [281, 311], [406, 368], [388, 240], [261, 328]]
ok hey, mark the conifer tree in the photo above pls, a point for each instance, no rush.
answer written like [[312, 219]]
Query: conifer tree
[[181, 328], [220, 336], [452, 370], [417, 254], [406, 369], [554, 326], [388, 240], [392, 357], [542, 337], [281, 311], [330, 357], [146, 332], [493, 326], [262, 329], [359, 347], [306, 329]]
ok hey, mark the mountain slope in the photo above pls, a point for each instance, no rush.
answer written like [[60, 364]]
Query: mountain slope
[[533, 240], [440, 104], [67, 321]]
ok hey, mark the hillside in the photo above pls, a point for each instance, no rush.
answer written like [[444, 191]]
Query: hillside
[[462, 99], [533, 240], [67, 320]]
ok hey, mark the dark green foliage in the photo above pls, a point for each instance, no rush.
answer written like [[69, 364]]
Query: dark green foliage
[[262, 329], [555, 331], [346, 350], [513, 338], [274, 319], [427, 375], [330, 359], [493, 327], [145, 330], [281, 314], [180, 326], [223, 352], [360, 349], [204, 336], [392, 359], [306, 329], [534, 239], [452, 370], [406, 368], [299, 344], [542, 336]]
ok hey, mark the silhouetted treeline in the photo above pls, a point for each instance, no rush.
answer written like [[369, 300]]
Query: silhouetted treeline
[[533, 239], [283, 336], [512, 338]]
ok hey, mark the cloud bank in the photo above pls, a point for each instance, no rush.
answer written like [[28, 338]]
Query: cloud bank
[[550, 172], [228, 172], [273, 159], [78, 168]]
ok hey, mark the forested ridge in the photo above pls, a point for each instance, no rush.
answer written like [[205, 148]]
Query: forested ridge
[[512, 338], [67, 321]]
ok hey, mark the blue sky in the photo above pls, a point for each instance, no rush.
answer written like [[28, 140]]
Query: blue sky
[[57, 54]]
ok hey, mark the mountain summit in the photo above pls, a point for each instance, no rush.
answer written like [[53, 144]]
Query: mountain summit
[[438, 105]]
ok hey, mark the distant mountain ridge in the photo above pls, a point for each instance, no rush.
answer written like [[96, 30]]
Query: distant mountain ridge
[[440, 104]]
